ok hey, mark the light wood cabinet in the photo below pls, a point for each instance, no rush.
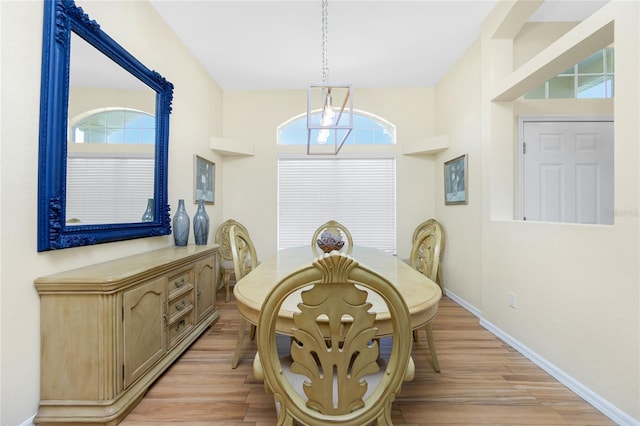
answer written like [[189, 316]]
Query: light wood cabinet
[[108, 331]]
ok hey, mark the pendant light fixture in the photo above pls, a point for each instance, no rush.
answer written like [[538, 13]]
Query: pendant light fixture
[[329, 106]]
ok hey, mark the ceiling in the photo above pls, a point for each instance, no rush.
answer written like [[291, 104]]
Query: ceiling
[[263, 45]]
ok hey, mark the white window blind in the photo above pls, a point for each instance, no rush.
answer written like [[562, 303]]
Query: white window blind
[[360, 193], [108, 190]]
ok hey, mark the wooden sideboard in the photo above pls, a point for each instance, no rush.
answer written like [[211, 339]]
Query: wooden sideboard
[[109, 330]]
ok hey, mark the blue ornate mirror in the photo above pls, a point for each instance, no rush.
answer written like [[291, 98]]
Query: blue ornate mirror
[[104, 136]]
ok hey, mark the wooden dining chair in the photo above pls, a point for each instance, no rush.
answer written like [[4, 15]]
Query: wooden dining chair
[[426, 227], [224, 252], [335, 228], [425, 257], [245, 259], [334, 372]]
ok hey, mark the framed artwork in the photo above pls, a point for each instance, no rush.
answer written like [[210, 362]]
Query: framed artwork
[[456, 188], [204, 172]]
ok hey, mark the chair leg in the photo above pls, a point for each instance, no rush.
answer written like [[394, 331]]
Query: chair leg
[[432, 348], [226, 277], [241, 330]]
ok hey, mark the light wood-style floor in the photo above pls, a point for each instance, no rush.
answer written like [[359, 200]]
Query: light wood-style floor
[[483, 382]]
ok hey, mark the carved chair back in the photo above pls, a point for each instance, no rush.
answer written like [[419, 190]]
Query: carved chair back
[[425, 251], [243, 252], [334, 374], [222, 237]]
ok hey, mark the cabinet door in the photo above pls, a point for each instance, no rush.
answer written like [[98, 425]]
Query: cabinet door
[[205, 287], [144, 328]]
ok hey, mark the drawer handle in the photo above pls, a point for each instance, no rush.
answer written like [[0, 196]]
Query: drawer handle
[[181, 306], [180, 283], [181, 324]]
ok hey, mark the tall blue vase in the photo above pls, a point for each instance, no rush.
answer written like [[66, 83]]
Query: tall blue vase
[[201, 224], [181, 224]]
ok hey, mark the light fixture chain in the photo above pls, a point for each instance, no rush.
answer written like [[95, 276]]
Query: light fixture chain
[[325, 39]]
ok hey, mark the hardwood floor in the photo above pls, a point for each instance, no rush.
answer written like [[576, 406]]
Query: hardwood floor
[[483, 382]]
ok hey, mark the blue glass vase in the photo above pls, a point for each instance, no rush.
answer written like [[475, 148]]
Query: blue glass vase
[[201, 224], [181, 224], [149, 212]]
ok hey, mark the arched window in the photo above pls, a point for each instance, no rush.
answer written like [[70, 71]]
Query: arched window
[[116, 126], [367, 130], [357, 190]]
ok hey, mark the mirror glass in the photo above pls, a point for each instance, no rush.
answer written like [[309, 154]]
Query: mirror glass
[[104, 130], [111, 140]]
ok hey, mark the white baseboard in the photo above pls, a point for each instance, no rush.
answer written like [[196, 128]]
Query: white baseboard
[[615, 414], [29, 421], [475, 311]]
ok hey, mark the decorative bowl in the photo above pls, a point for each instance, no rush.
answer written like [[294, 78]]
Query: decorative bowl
[[329, 242], [328, 248]]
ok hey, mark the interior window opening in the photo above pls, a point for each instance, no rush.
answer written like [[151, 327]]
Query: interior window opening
[[591, 78]]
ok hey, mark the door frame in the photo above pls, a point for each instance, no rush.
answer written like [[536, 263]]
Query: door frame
[[522, 119]]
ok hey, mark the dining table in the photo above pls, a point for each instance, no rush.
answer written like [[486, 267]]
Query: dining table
[[419, 292]]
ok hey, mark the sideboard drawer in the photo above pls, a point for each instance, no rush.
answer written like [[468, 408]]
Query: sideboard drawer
[[181, 304], [180, 326], [179, 281]]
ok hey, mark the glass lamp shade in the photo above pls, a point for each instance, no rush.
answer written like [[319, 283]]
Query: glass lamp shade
[[329, 117]]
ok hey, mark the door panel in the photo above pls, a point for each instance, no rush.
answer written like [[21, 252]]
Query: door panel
[[205, 287], [145, 340], [568, 171], [551, 192]]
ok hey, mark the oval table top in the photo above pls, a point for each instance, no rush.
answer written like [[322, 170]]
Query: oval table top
[[420, 293]]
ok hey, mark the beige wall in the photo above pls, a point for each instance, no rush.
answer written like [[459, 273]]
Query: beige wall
[[197, 115], [250, 186], [577, 286], [458, 115]]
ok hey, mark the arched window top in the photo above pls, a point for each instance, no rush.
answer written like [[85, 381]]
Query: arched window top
[[115, 126], [368, 129]]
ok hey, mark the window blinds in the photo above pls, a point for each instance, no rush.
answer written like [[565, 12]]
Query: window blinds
[[360, 193], [108, 190]]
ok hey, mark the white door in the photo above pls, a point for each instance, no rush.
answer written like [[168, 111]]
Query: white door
[[568, 171]]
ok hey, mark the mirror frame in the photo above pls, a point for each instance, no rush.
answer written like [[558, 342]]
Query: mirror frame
[[60, 18]]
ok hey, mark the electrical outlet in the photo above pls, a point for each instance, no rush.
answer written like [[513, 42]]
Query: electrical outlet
[[512, 300]]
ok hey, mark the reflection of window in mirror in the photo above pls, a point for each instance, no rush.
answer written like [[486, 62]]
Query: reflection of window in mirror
[[591, 78], [110, 166], [114, 126]]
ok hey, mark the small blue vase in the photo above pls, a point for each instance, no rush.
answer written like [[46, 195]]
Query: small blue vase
[[181, 224], [201, 224], [149, 213]]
